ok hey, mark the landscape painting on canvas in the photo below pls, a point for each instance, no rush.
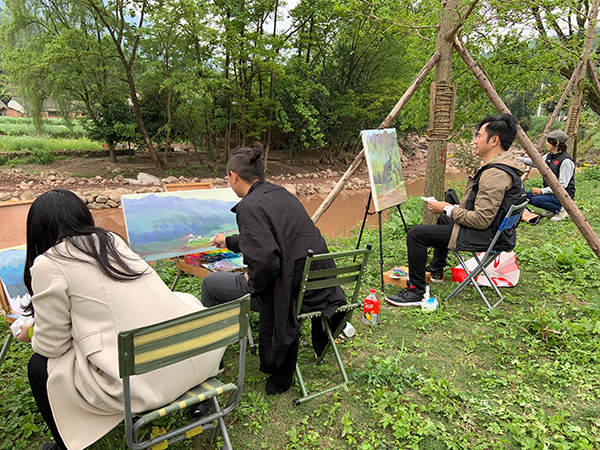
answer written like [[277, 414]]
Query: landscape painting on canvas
[[169, 224], [12, 264], [385, 168]]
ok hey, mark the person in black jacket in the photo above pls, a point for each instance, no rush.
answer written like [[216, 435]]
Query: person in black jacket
[[275, 233], [562, 166]]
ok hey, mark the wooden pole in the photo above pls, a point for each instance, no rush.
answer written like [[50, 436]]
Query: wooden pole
[[567, 202], [594, 75], [556, 111], [385, 124], [574, 114]]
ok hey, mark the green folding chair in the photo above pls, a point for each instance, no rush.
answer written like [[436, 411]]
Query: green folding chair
[[155, 346], [350, 268]]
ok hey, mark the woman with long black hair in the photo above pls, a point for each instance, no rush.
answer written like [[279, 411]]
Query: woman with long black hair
[[87, 286]]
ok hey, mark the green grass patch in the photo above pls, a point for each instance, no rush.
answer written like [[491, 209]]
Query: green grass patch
[[56, 128], [11, 143], [525, 376]]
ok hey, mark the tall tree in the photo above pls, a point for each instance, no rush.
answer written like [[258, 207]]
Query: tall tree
[[124, 24]]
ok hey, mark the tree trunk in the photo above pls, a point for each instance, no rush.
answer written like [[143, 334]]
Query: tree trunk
[[567, 202], [435, 175], [169, 126], [270, 116], [209, 147], [572, 126], [112, 151]]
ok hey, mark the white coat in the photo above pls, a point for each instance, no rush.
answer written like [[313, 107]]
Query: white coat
[[78, 313]]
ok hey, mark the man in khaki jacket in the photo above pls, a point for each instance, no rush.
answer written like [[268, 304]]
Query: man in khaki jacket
[[490, 192]]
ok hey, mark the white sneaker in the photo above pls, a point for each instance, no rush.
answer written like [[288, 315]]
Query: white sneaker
[[547, 214], [562, 214]]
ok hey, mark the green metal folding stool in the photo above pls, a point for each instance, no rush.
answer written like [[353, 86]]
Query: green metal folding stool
[[350, 268], [143, 350]]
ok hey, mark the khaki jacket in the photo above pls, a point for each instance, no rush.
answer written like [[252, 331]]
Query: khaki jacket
[[78, 314], [492, 186]]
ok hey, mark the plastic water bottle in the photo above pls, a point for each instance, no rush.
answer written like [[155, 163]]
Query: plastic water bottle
[[371, 307], [429, 303], [348, 331]]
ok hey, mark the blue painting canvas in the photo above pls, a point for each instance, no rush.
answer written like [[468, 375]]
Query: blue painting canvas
[[169, 224], [385, 168], [12, 264]]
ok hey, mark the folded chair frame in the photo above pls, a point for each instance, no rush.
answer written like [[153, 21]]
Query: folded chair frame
[[511, 220], [324, 278], [143, 350]]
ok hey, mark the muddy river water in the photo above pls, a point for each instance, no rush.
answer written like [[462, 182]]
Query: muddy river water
[[348, 209], [346, 212]]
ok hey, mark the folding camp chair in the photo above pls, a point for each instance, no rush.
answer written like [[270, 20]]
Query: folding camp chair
[[348, 270], [155, 346], [513, 216]]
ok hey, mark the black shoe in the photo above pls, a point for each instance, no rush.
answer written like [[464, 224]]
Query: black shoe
[[202, 409], [221, 367], [409, 296], [437, 275], [50, 446]]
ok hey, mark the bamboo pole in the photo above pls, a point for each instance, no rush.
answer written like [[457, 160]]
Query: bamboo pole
[[385, 124], [567, 202]]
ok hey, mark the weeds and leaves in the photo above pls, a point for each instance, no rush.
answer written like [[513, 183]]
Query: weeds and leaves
[[525, 376]]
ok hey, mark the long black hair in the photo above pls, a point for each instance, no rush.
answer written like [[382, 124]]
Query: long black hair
[[60, 215], [247, 163]]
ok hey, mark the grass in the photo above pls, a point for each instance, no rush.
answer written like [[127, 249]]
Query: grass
[[11, 143], [525, 376], [56, 128]]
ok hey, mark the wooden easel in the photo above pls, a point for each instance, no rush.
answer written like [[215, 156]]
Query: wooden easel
[[188, 186], [362, 227], [5, 305]]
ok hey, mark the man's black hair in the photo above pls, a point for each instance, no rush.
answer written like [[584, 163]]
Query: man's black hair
[[502, 125]]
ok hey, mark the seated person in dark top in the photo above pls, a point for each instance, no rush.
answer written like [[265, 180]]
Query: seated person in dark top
[[562, 166], [490, 192], [275, 233]]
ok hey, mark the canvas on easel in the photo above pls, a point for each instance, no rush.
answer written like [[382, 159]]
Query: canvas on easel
[[385, 168], [169, 224], [14, 294]]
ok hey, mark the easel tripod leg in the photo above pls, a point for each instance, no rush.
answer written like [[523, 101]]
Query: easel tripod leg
[[9, 338], [380, 251], [362, 227]]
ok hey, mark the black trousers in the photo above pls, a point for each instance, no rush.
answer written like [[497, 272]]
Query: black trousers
[[37, 371], [419, 238]]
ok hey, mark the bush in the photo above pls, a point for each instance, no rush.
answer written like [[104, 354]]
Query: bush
[[3, 160], [41, 156]]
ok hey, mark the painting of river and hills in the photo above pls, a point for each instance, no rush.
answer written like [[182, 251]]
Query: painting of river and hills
[[385, 168], [169, 224], [12, 265]]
